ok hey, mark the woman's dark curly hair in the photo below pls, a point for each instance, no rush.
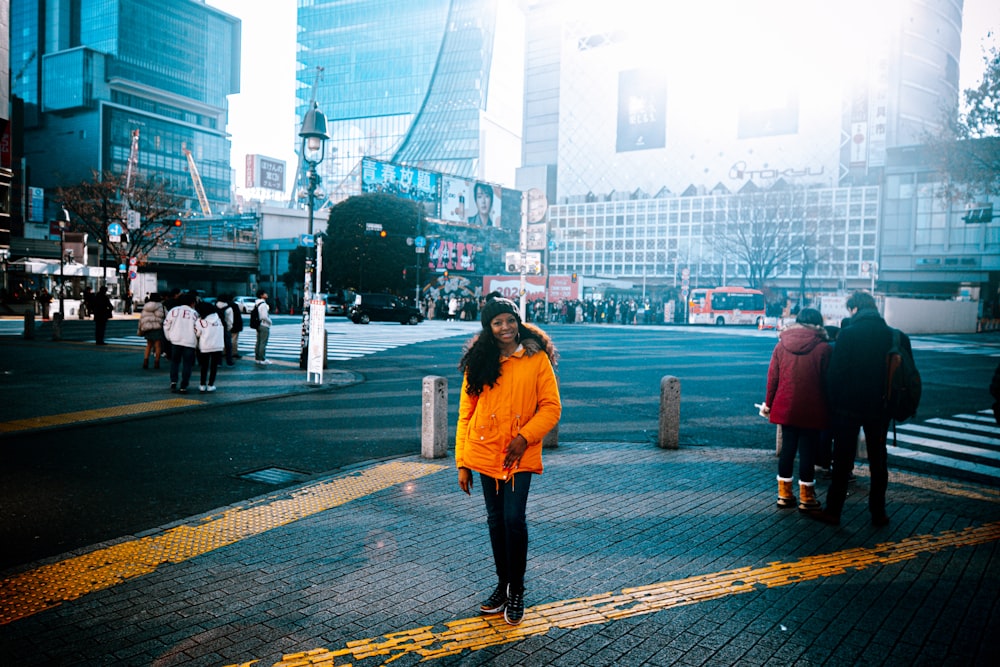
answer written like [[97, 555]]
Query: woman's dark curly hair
[[481, 358]]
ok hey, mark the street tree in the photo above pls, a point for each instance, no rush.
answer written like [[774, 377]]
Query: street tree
[[367, 248], [94, 204], [764, 232], [967, 148]]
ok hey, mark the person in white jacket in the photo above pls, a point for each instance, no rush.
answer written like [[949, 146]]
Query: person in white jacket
[[211, 334], [179, 330]]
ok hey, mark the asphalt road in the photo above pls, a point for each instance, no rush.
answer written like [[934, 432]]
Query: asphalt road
[[65, 490]]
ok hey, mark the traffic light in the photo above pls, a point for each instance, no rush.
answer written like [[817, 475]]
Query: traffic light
[[979, 215], [404, 273], [178, 223], [446, 274], [382, 234], [574, 277]]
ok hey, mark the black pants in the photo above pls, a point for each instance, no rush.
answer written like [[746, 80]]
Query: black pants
[[505, 517], [845, 445], [209, 364], [100, 326]]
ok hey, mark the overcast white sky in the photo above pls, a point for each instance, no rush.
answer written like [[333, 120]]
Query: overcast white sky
[[262, 116]]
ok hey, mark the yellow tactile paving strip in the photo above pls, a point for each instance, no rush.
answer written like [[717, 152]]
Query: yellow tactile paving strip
[[33, 591], [480, 632], [48, 421]]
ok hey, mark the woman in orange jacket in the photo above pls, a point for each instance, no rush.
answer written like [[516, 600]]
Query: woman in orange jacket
[[509, 401]]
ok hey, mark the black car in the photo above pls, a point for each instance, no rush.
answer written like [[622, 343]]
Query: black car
[[382, 308]]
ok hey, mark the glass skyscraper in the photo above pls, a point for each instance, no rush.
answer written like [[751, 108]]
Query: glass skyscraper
[[92, 71], [436, 84]]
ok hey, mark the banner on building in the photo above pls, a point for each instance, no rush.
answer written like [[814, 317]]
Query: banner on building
[[561, 288], [265, 172], [642, 110], [417, 185]]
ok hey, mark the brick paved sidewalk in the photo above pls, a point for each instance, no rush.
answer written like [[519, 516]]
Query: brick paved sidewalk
[[637, 556]]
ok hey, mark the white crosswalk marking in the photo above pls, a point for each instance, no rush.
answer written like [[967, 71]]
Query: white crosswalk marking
[[345, 340], [968, 442]]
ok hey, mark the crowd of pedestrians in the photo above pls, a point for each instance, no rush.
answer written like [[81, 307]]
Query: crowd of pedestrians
[[188, 331]]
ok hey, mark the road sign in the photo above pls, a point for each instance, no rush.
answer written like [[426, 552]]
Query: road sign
[[114, 229], [420, 242], [307, 240], [133, 261], [132, 275], [538, 205]]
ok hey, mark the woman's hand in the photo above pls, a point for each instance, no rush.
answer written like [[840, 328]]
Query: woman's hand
[[514, 452], [465, 480]]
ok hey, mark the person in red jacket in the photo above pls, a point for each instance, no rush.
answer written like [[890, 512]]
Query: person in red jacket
[[796, 401], [509, 401]]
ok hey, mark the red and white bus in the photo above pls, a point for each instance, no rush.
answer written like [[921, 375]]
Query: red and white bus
[[726, 305]]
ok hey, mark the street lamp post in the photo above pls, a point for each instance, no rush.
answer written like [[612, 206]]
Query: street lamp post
[[63, 222], [314, 138]]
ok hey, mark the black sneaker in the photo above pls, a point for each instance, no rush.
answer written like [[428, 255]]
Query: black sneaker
[[173, 387], [514, 611], [496, 602]]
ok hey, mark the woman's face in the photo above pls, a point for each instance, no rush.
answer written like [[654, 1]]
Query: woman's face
[[504, 329], [484, 202]]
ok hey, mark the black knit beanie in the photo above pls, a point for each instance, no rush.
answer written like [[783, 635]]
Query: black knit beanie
[[497, 306]]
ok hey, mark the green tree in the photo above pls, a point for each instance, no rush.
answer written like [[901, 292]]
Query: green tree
[[357, 256], [967, 149]]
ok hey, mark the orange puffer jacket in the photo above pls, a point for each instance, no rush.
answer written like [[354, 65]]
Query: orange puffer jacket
[[524, 400]]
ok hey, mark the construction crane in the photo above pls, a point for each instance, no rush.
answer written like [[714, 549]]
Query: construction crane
[[130, 171], [196, 179]]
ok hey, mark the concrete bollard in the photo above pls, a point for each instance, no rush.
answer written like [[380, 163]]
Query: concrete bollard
[[57, 322], [670, 413], [29, 325], [434, 418], [551, 439]]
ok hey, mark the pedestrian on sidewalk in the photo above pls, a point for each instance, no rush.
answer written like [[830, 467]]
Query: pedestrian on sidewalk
[[226, 315], [179, 328], [211, 334], [509, 401], [236, 328], [151, 328], [856, 385], [796, 401], [103, 311], [263, 327]]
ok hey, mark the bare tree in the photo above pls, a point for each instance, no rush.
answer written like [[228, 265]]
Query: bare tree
[[95, 204], [967, 149], [765, 232]]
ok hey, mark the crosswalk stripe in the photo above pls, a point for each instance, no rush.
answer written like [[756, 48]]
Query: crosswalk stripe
[[967, 442]]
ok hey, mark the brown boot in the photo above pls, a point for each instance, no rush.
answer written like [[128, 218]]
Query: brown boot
[[807, 497], [786, 499]]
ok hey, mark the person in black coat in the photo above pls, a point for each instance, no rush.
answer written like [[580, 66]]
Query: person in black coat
[[856, 383], [103, 311]]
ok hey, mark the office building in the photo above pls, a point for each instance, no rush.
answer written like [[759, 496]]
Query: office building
[[90, 72], [436, 84]]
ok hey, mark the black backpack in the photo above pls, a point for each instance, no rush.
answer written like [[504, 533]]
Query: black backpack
[[903, 386], [255, 317]]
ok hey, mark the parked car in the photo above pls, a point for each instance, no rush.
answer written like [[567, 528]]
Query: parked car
[[337, 302], [245, 303], [382, 308]]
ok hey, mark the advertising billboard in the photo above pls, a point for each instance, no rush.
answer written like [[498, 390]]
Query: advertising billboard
[[471, 202], [265, 172], [642, 111], [561, 288], [417, 185]]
